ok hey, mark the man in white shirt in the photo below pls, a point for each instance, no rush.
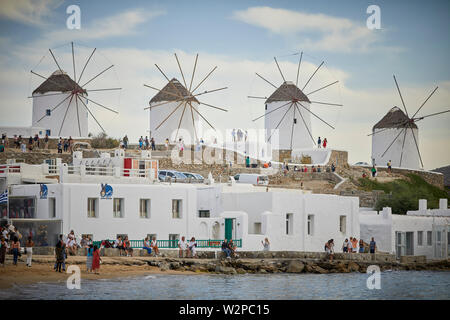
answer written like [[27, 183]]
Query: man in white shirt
[[182, 245]]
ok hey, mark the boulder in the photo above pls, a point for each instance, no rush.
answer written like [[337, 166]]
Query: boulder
[[353, 266], [225, 270], [164, 266], [295, 267]]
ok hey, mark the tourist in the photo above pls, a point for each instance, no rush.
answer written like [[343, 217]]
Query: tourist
[[84, 243], [372, 246], [333, 168], [59, 253], [349, 248], [232, 247], [324, 143], [15, 247], [361, 246], [225, 248], [374, 171], [141, 143], [147, 246], [266, 244], [3, 248], [2, 147], [318, 168], [319, 143], [389, 169], [192, 245], [152, 140], [29, 250], [59, 146], [182, 247], [119, 245], [154, 246], [345, 246], [329, 248], [46, 139], [70, 141], [127, 246], [354, 245], [89, 257], [147, 143], [125, 142], [166, 144], [96, 260]]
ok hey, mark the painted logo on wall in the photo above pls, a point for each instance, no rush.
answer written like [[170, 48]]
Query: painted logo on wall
[[106, 191], [44, 191]]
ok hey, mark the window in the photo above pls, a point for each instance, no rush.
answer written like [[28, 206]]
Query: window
[[310, 224], [47, 132], [144, 208], [118, 208], [289, 224], [48, 112], [342, 224], [176, 209], [429, 239], [22, 207], [257, 227], [204, 213], [92, 209], [52, 207], [420, 238]]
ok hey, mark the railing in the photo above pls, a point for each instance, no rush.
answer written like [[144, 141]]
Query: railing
[[9, 168], [173, 244]]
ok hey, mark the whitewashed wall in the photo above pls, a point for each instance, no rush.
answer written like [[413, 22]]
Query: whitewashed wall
[[301, 138], [54, 121], [381, 141]]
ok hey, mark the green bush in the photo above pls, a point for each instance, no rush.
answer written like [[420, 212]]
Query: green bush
[[404, 195], [102, 141]]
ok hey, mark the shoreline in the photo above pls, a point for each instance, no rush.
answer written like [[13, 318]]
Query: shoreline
[[123, 267]]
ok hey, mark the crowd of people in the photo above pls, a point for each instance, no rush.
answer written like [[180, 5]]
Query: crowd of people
[[10, 239], [298, 168], [351, 246]]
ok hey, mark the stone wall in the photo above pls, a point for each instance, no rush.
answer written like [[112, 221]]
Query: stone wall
[[37, 157], [339, 158], [367, 199]]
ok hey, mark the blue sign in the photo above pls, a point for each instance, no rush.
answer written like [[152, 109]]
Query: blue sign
[[44, 191], [106, 191]]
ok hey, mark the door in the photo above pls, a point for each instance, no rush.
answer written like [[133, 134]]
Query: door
[[409, 243], [229, 229], [439, 242], [400, 244]]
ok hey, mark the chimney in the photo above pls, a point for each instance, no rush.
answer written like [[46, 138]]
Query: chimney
[[422, 204], [443, 204]]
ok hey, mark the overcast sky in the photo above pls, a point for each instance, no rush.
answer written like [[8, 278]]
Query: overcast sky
[[240, 38]]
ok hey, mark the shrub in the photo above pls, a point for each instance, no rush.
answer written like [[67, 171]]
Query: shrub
[[102, 141]]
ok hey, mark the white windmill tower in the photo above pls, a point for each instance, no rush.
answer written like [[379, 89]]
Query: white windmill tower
[[293, 124], [60, 102], [395, 137], [179, 102]]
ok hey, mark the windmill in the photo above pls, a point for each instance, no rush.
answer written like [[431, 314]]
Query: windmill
[[60, 103], [296, 105], [395, 137], [176, 101]]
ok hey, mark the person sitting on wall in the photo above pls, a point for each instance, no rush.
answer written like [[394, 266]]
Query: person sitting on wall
[[345, 246], [225, 248], [154, 246], [182, 245], [329, 249], [192, 246], [372, 246], [147, 246], [119, 245], [232, 247], [127, 247]]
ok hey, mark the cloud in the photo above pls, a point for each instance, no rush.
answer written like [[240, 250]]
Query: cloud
[[122, 24], [318, 31], [28, 11]]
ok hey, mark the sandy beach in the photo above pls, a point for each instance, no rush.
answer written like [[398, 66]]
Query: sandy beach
[[42, 270]]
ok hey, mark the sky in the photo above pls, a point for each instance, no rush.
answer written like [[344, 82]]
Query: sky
[[240, 38]]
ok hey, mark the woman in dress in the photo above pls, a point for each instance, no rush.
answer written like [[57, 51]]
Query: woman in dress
[[89, 258], [96, 260], [266, 244]]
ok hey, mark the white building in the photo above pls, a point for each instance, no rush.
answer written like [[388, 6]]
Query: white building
[[165, 117], [390, 128], [55, 112], [295, 122], [422, 232]]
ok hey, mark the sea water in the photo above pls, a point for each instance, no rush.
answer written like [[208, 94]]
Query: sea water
[[394, 285]]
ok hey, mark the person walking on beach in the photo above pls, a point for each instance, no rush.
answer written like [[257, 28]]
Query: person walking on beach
[[29, 251], [3, 248], [96, 260], [59, 253], [266, 244], [89, 258]]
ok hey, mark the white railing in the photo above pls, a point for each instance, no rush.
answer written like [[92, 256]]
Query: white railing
[[6, 169]]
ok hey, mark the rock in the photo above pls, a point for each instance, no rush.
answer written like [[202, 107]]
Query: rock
[[295, 267], [240, 271], [164, 266], [174, 265], [225, 270], [352, 266]]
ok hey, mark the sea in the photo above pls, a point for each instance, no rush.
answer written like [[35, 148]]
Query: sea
[[403, 285]]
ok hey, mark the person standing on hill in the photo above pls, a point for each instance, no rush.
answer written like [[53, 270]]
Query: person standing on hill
[[374, 171], [324, 143], [319, 143], [389, 166]]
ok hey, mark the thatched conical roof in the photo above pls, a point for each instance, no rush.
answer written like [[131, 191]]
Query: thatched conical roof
[[395, 118], [287, 92], [58, 82], [171, 91]]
